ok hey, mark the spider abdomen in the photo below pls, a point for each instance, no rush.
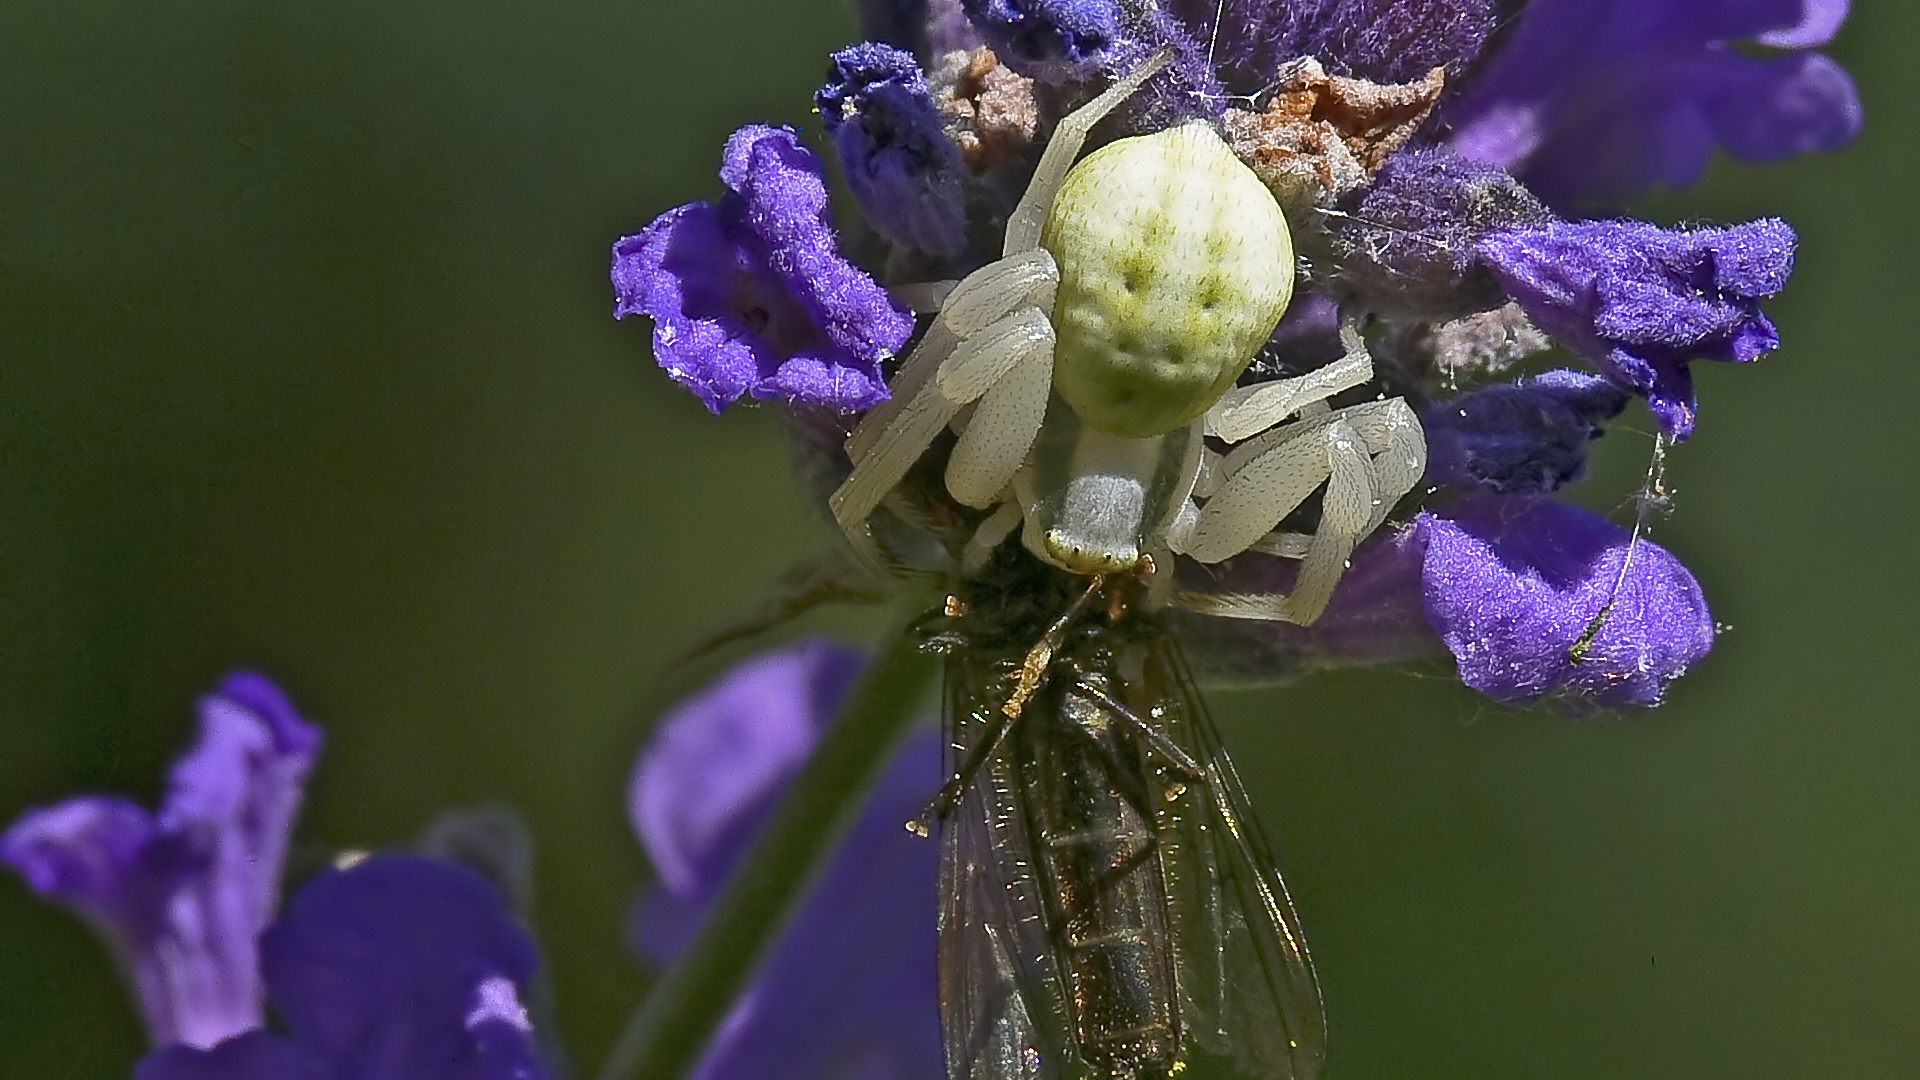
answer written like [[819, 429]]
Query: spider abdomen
[[1175, 264]]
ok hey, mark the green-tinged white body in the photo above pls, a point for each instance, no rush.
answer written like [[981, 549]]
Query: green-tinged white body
[[1175, 265]]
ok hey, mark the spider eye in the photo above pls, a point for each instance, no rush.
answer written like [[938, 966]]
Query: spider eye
[[1175, 264]]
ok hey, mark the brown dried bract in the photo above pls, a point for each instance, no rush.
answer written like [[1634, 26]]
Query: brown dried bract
[[1325, 136], [990, 111]]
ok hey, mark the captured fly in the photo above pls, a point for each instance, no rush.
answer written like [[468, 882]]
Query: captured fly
[[1108, 908]]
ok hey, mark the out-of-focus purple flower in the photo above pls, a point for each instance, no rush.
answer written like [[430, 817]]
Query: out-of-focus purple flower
[[1525, 438], [1641, 301], [897, 157], [1384, 41], [849, 990], [1513, 585], [1599, 100], [398, 968], [181, 896], [1410, 243], [751, 296]]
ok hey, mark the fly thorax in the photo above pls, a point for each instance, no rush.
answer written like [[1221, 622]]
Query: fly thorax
[[1175, 265], [1096, 502]]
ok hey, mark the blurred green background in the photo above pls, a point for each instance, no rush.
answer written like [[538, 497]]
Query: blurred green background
[[306, 363]]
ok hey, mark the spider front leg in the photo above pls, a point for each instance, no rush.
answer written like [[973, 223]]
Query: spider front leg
[[992, 342], [1246, 411], [993, 321], [1369, 456]]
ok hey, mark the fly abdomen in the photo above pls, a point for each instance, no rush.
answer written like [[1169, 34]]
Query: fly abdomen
[[1106, 898]]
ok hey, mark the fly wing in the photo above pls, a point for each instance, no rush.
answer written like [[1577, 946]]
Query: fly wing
[[1252, 1006], [1001, 998]]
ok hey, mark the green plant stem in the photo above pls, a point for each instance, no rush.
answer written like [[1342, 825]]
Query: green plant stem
[[665, 1037]]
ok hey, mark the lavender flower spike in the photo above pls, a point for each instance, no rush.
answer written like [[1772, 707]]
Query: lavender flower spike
[[1641, 301], [181, 896], [751, 296], [1513, 585], [849, 990]]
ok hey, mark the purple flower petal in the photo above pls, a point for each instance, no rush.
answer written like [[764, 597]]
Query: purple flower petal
[[752, 296], [894, 148], [181, 897], [404, 968], [1525, 438], [1640, 302], [1512, 585], [1819, 21], [849, 990], [1598, 100]]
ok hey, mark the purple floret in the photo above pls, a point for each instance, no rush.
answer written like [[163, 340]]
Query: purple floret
[[180, 896], [751, 296], [1525, 438], [1595, 101], [1640, 301], [1514, 584], [894, 149], [849, 990]]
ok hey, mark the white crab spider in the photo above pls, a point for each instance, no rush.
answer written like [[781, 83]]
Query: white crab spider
[[1132, 291]]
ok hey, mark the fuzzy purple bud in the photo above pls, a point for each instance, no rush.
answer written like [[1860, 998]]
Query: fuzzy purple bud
[[1540, 599], [894, 149], [1410, 244], [1640, 301], [1049, 40], [1382, 41], [1525, 438]]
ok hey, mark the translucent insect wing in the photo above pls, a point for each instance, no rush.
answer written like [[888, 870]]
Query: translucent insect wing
[[1251, 1003], [1002, 1011]]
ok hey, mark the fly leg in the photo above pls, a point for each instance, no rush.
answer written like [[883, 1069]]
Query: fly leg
[[1181, 761], [1027, 682]]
